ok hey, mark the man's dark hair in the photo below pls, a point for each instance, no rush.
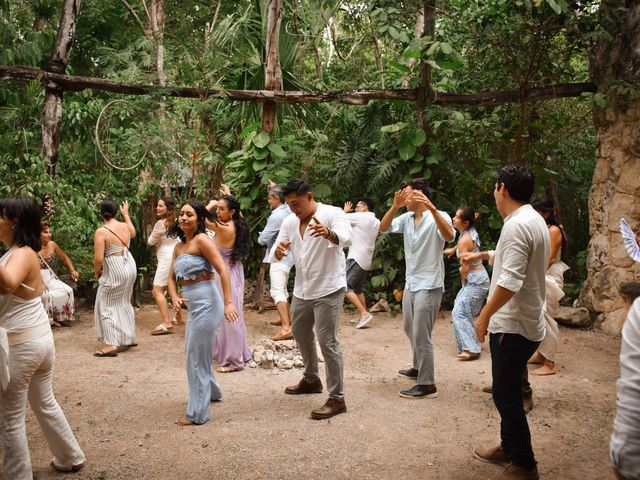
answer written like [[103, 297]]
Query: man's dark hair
[[277, 192], [519, 180], [297, 186], [28, 216], [368, 203], [108, 209], [421, 184]]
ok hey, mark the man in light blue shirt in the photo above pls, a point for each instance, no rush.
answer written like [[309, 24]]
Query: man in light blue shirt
[[278, 269], [425, 230]]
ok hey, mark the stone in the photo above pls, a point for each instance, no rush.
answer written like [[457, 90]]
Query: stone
[[574, 317], [257, 353], [284, 364], [612, 322], [267, 360], [380, 306], [298, 363], [253, 364]]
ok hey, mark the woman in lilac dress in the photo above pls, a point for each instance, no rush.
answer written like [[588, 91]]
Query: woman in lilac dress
[[231, 350]]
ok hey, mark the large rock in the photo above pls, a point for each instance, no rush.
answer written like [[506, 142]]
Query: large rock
[[574, 317]]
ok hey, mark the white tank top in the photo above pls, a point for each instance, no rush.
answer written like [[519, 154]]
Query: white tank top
[[17, 313]]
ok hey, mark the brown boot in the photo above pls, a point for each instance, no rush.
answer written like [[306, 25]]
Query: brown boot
[[515, 472], [303, 387], [492, 455], [331, 408]]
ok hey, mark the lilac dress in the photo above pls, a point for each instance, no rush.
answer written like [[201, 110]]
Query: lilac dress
[[230, 348]]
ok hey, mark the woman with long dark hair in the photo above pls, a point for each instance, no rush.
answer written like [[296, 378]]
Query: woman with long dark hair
[[475, 287], [546, 353], [116, 272], [166, 212], [232, 237], [26, 369], [194, 261]]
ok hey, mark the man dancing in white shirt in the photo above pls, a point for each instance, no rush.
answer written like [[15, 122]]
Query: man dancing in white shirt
[[365, 230], [316, 235]]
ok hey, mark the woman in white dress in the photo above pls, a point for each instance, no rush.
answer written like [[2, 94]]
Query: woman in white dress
[[58, 297], [166, 212], [27, 352], [116, 272], [546, 353]]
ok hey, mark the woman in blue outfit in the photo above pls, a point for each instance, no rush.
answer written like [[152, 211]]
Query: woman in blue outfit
[[193, 264], [475, 286]]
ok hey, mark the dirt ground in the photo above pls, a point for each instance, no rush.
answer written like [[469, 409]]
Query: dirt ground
[[123, 411]]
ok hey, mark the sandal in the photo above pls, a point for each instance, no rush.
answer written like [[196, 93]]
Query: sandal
[[103, 354], [162, 329], [228, 369]]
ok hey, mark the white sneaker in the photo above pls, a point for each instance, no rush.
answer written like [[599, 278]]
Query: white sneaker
[[364, 320]]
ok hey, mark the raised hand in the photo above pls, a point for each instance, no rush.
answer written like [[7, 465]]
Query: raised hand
[[421, 199], [271, 184], [348, 207], [224, 189], [318, 229], [400, 198], [124, 208], [282, 250]]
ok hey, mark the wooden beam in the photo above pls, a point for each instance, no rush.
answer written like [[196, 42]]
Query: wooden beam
[[352, 97]]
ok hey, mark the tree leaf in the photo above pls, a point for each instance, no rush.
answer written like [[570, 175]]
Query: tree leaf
[[418, 137], [277, 150], [261, 140], [259, 165], [407, 151], [394, 127], [446, 48], [260, 153], [322, 190]]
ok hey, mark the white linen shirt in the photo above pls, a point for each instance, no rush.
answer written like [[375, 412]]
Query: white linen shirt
[[625, 440], [365, 230], [320, 264], [423, 244], [520, 265]]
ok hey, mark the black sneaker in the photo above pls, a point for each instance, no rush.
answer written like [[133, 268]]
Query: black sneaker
[[409, 373], [420, 391]]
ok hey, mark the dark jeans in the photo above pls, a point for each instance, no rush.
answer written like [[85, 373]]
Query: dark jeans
[[509, 355]]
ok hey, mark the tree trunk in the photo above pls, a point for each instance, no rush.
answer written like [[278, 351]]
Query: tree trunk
[[272, 71], [425, 92], [57, 63], [615, 189]]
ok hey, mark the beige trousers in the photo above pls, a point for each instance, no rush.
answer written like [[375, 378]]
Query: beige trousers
[[31, 369]]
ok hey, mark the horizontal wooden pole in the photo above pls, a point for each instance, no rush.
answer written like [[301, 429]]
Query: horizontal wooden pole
[[352, 97]]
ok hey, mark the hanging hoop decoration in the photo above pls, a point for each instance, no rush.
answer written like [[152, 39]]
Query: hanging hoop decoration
[[98, 141]]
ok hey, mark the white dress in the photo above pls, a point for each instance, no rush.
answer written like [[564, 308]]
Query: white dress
[[554, 282], [164, 253]]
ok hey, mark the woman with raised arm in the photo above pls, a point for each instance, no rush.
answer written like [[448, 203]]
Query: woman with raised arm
[[554, 281], [27, 352], [232, 237], [166, 211], [116, 272], [58, 297], [194, 261], [475, 286]]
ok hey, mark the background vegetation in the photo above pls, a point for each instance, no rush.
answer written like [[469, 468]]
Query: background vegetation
[[187, 147]]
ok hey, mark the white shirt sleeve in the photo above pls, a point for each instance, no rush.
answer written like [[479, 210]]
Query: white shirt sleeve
[[515, 255]]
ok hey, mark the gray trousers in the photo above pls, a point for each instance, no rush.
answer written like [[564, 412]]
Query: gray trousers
[[419, 314], [324, 314]]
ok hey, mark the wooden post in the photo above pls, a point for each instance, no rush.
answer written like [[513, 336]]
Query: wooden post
[[272, 70], [57, 63]]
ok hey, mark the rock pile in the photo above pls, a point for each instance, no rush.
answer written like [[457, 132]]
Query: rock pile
[[283, 355]]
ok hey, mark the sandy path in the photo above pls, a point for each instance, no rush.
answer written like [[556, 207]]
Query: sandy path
[[123, 411]]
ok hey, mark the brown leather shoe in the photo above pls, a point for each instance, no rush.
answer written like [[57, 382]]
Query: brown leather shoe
[[515, 472], [303, 387], [330, 409], [492, 455]]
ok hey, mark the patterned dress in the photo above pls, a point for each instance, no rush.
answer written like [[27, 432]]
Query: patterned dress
[[58, 299]]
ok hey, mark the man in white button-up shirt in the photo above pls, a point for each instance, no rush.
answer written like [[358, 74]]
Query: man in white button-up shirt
[[425, 229], [315, 236], [513, 317]]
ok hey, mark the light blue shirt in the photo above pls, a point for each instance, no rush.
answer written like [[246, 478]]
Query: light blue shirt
[[423, 244], [267, 237]]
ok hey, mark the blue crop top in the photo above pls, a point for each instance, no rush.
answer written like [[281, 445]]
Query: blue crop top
[[190, 267], [475, 238]]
